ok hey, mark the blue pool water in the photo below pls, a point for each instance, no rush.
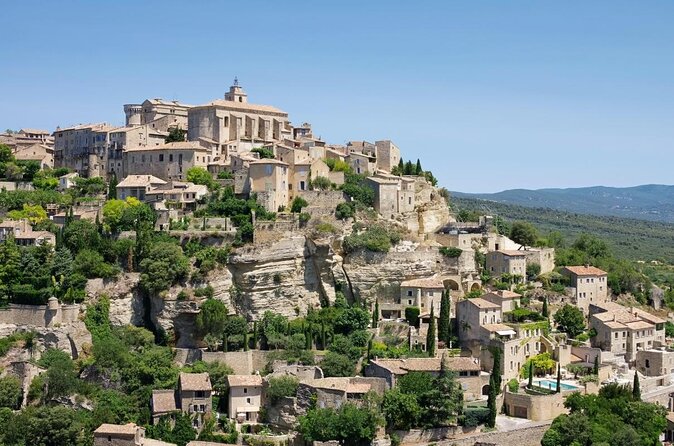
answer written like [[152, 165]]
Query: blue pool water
[[552, 385]]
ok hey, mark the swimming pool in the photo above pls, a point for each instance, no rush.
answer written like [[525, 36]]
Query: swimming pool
[[552, 385]]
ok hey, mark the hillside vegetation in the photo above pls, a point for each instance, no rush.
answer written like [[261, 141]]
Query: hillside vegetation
[[630, 239]]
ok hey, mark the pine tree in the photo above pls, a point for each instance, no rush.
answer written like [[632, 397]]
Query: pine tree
[[559, 378], [545, 307], [636, 388], [430, 336], [595, 369], [444, 321], [418, 170], [375, 314], [491, 402]]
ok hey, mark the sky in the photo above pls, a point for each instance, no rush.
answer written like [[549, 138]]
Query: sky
[[490, 95]]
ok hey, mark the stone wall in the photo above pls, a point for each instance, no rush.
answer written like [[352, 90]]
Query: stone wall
[[39, 315], [270, 231], [416, 436], [537, 407], [243, 363], [527, 436], [326, 199]]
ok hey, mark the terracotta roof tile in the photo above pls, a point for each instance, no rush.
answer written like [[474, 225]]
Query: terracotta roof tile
[[195, 381], [585, 271], [244, 380]]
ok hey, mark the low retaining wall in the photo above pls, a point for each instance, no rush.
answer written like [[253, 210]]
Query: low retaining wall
[[527, 436], [243, 363], [39, 315]]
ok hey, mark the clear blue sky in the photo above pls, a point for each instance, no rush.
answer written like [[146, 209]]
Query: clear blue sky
[[489, 94]]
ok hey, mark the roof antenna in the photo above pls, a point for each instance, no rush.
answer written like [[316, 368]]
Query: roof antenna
[[236, 81]]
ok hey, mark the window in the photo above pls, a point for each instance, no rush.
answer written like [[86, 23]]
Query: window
[[161, 158], [245, 390], [247, 400], [171, 158], [409, 293]]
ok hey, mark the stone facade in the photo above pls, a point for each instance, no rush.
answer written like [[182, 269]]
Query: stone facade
[[507, 262], [534, 407], [655, 362], [392, 195], [388, 155], [589, 284], [245, 397], [169, 161], [269, 180]]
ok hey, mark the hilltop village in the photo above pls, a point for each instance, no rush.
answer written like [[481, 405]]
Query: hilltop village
[[215, 274]]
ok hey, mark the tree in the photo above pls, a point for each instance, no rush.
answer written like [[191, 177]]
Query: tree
[[352, 319], [636, 388], [401, 410], [412, 316], [281, 387], [570, 320], [559, 378], [81, 234], [33, 213], [11, 392], [199, 175], [297, 204], [430, 335], [444, 320], [524, 233], [265, 153], [491, 402], [321, 183], [336, 364], [545, 311], [164, 264], [112, 187], [176, 134], [212, 318], [418, 170], [496, 370], [375, 314], [531, 375], [595, 368], [61, 373]]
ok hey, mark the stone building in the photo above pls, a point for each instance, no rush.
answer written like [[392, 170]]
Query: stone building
[[83, 148], [233, 124], [361, 163], [508, 300], [193, 397], [124, 435], [392, 194], [23, 233], [39, 152], [27, 137], [158, 114], [467, 371], [420, 293], [655, 361], [388, 155], [245, 397], [177, 195], [333, 392], [169, 161], [625, 331], [589, 284], [507, 262], [122, 138], [138, 186], [303, 173], [269, 180]]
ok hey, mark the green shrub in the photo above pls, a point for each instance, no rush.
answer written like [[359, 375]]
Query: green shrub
[[282, 387], [297, 204], [412, 316], [345, 210], [451, 252], [514, 385], [375, 238], [475, 416]]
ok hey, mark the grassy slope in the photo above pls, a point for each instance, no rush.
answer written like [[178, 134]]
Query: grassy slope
[[629, 238]]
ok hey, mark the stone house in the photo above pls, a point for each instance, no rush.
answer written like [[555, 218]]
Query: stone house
[[361, 163], [169, 161], [589, 285], [625, 331], [508, 300], [177, 194], [467, 370], [507, 262], [333, 392], [655, 362], [193, 397], [245, 397], [545, 257], [420, 293], [24, 235], [392, 194], [158, 113], [67, 181], [41, 153], [303, 173], [122, 138], [138, 186], [269, 180], [83, 148], [124, 435], [235, 125], [388, 155]]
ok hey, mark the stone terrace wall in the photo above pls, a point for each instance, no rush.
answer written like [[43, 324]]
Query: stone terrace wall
[[322, 202], [528, 436], [38, 315], [243, 363]]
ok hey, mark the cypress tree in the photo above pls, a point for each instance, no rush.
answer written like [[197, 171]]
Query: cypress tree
[[496, 369], [245, 341], [254, 335], [559, 378], [324, 344], [418, 170], [444, 321], [307, 338], [545, 307], [430, 336], [531, 375], [636, 388], [369, 349], [112, 187], [491, 402], [375, 314], [409, 168], [224, 342], [595, 369]]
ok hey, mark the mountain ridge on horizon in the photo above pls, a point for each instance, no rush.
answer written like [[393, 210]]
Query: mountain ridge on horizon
[[652, 202]]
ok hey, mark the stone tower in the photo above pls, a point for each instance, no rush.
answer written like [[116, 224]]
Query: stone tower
[[236, 93], [133, 114]]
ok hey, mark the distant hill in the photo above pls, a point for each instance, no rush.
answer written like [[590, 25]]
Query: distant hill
[[629, 238], [653, 202]]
